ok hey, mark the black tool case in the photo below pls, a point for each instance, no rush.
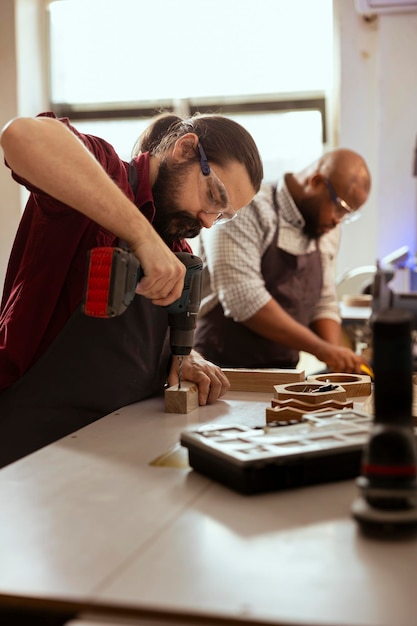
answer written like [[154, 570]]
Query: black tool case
[[322, 448]]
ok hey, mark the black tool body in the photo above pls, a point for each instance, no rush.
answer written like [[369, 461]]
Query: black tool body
[[388, 488]]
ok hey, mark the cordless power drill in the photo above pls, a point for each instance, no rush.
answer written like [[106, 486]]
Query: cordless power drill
[[112, 276]]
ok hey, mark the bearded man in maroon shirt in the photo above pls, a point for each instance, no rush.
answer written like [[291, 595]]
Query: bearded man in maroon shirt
[[59, 369]]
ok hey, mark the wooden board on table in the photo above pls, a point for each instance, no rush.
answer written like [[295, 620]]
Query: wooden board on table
[[262, 380]]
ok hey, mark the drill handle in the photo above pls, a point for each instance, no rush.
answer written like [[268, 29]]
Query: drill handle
[[189, 301], [190, 298]]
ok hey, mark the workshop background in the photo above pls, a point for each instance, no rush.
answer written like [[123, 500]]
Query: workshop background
[[302, 76]]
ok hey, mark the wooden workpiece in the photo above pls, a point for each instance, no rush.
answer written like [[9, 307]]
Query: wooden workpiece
[[355, 385], [262, 380], [289, 413], [305, 392], [182, 400], [292, 401]]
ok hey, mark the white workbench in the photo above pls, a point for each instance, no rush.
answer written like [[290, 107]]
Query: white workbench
[[89, 523]]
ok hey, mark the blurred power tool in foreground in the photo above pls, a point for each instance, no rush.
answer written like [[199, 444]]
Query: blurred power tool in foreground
[[383, 297], [112, 276], [388, 489]]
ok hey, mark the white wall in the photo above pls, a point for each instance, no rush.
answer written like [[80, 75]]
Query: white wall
[[23, 92], [9, 196], [375, 113]]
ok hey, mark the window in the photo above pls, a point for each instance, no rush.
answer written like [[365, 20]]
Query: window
[[268, 64]]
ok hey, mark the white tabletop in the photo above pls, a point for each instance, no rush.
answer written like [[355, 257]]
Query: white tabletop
[[88, 520]]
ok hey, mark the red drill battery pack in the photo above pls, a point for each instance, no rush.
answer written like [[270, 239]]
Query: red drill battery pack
[[112, 276]]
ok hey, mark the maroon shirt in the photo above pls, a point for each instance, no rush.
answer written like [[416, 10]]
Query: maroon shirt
[[45, 277]]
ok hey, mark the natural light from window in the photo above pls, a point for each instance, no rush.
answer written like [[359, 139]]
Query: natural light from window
[[108, 51], [137, 51]]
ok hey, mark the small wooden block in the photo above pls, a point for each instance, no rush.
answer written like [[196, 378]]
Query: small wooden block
[[261, 379], [355, 384], [181, 400]]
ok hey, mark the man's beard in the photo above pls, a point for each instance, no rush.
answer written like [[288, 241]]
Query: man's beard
[[311, 214], [170, 222], [310, 229]]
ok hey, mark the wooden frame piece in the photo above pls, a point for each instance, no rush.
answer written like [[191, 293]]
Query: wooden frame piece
[[305, 392], [286, 414], [335, 405], [262, 380], [355, 384]]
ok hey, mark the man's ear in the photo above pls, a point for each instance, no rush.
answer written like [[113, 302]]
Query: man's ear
[[314, 184], [185, 148], [316, 180]]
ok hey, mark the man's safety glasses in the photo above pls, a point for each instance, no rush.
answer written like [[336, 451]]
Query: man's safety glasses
[[215, 194], [344, 212]]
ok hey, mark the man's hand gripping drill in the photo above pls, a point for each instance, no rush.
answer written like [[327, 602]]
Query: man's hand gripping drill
[[112, 276]]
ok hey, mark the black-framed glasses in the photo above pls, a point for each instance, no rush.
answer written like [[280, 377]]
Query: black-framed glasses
[[216, 193], [204, 164], [343, 211]]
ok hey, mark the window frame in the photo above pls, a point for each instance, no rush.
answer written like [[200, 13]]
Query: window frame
[[279, 102]]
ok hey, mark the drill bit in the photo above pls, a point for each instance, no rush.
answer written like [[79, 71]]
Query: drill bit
[[179, 371]]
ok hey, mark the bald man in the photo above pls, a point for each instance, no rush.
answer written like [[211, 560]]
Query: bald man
[[269, 285]]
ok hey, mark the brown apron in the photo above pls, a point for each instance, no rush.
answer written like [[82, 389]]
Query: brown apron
[[295, 283], [93, 367]]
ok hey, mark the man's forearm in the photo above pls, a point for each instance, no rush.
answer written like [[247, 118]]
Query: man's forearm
[[46, 154], [273, 323], [327, 329]]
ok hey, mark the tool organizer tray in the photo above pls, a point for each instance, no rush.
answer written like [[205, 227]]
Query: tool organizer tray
[[325, 447]]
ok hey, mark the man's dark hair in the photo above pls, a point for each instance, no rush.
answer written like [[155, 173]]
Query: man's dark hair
[[222, 138]]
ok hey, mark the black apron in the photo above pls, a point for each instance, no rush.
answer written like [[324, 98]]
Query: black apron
[[92, 368], [295, 282]]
